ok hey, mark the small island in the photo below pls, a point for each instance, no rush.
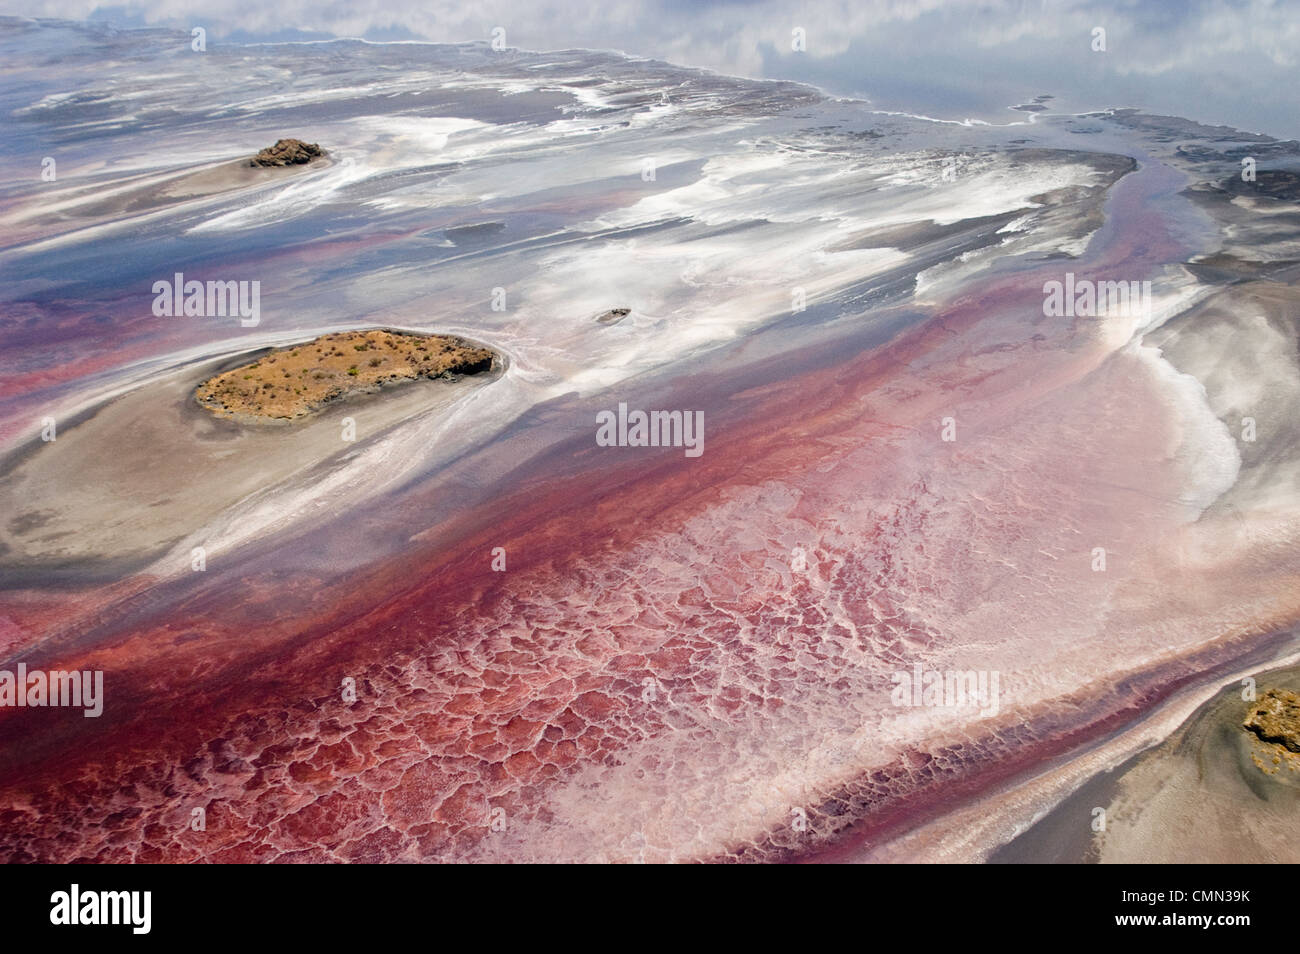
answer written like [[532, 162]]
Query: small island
[[613, 316], [1275, 718], [290, 383], [287, 152]]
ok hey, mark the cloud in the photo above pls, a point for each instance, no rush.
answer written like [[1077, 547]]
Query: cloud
[[1157, 51]]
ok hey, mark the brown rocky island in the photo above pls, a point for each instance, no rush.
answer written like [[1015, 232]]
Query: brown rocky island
[[1276, 718], [289, 383], [287, 152]]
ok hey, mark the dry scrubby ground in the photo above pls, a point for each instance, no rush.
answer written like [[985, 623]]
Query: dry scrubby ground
[[292, 382]]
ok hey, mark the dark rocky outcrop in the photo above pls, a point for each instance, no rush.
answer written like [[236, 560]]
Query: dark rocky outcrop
[[1275, 717], [287, 152], [613, 316], [1268, 183]]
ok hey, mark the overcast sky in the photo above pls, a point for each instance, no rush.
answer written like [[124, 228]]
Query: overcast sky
[[1213, 60]]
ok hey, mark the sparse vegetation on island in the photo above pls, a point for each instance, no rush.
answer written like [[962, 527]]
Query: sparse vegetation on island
[[1275, 719], [292, 382], [287, 152]]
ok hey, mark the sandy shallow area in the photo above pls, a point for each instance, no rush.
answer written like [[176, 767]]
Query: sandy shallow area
[[101, 199], [150, 192], [1211, 792], [116, 488]]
